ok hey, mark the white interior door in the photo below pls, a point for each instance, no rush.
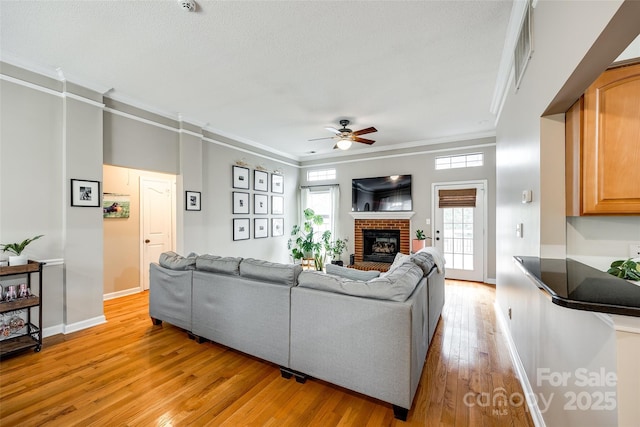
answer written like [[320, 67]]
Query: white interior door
[[459, 232], [156, 204]]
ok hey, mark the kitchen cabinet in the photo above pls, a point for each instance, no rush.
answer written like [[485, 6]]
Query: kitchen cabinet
[[602, 137]]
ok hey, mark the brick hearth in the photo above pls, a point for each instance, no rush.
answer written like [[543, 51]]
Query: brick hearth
[[381, 224]]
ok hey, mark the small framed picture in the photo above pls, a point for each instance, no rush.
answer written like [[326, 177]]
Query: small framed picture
[[85, 193], [240, 228], [277, 227], [192, 200], [277, 183], [260, 228], [260, 204], [277, 205], [240, 203], [240, 177], [260, 180]]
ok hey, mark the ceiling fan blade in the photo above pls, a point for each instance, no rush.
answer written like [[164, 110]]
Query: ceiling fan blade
[[363, 140], [367, 130], [335, 147], [318, 139], [334, 130]]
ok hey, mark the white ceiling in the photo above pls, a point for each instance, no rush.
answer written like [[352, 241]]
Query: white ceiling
[[275, 73]]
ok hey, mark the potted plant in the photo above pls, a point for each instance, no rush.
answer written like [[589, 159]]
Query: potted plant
[[625, 269], [303, 243], [335, 249], [419, 242], [16, 249]]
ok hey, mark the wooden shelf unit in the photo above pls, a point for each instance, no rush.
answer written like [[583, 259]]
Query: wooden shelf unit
[[30, 335]]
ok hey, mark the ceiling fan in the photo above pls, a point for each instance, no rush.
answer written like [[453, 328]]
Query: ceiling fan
[[346, 136]]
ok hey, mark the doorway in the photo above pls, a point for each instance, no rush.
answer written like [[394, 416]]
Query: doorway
[[157, 222], [460, 224]]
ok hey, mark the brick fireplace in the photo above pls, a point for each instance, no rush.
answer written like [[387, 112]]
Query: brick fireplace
[[402, 225]]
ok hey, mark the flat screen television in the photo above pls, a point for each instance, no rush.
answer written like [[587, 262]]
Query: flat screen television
[[381, 194]]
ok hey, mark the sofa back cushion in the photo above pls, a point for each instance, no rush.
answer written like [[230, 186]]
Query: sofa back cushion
[[423, 260], [217, 264], [351, 273], [273, 272], [173, 261], [397, 286]]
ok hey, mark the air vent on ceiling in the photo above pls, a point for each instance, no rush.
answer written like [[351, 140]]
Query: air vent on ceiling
[[523, 49]]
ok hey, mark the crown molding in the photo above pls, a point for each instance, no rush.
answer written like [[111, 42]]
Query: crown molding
[[136, 103], [96, 87], [34, 67]]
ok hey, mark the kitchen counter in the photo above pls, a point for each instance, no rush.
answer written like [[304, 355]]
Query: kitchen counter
[[572, 284]]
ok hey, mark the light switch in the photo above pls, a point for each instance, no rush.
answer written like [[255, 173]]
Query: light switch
[[527, 196], [428, 221], [519, 230]]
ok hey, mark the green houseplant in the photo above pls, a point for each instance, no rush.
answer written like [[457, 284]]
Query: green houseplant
[[419, 242], [334, 249], [625, 269], [304, 243], [16, 249]]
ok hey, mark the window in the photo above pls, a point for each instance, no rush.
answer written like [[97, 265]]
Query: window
[[324, 201], [461, 161], [321, 175]]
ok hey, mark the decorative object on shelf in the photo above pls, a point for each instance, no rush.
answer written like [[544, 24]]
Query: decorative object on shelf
[[115, 205], [16, 249], [277, 205], [625, 269], [85, 193], [240, 177], [11, 293], [260, 228], [260, 204], [419, 242], [240, 203], [260, 180], [334, 250], [241, 228], [304, 243], [192, 200], [277, 183], [277, 227]]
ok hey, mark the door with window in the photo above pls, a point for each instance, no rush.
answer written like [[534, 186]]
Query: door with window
[[459, 228]]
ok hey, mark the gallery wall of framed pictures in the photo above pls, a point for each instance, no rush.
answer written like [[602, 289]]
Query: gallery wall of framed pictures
[[259, 193]]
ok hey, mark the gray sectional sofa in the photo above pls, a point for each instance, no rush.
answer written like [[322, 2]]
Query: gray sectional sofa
[[367, 334]]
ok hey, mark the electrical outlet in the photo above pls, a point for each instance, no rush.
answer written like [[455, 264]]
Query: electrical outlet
[[634, 251]]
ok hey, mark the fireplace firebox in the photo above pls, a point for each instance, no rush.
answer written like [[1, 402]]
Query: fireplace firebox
[[380, 245]]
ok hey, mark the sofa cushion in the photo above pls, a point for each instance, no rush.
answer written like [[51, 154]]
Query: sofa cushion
[[283, 274], [394, 287], [397, 262], [173, 261], [217, 264], [351, 273], [423, 260]]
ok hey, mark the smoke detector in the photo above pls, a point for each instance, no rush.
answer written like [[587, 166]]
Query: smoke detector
[[188, 5]]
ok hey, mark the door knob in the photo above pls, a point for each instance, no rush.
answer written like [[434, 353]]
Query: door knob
[[147, 241]]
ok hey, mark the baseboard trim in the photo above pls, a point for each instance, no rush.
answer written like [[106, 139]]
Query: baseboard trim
[[490, 280], [530, 397], [119, 294], [52, 330], [78, 326]]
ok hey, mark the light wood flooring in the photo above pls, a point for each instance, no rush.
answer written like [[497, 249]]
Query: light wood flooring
[[129, 372]]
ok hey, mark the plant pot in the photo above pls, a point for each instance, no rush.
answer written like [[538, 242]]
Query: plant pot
[[416, 244], [17, 260]]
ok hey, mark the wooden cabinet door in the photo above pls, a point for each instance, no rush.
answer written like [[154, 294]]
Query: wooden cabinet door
[[611, 143]]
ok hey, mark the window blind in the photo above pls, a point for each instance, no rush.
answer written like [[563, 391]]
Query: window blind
[[463, 198]]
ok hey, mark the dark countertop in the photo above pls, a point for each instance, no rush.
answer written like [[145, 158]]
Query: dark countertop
[[575, 285]]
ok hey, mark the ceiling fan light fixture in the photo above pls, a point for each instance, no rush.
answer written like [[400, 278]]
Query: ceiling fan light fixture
[[344, 144]]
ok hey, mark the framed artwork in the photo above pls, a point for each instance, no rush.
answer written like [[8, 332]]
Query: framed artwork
[[277, 183], [192, 200], [260, 228], [240, 203], [260, 204], [85, 193], [115, 205], [277, 227], [240, 228], [260, 180], [277, 205], [240, 177]]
